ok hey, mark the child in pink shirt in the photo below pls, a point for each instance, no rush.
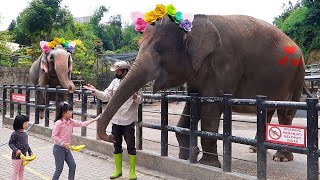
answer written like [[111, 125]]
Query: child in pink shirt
[[61, 135]]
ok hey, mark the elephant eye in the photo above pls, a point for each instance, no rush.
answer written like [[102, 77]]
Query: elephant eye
[[159, 51], [51, 57]]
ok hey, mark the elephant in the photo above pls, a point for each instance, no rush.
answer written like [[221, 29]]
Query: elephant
[[52, 68], [231, 54]]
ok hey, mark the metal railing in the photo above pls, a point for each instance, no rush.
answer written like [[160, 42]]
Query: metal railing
[[312, 149], [311, 106]]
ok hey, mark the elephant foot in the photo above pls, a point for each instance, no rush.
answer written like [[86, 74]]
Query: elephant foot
[[184, 153], [252, 149], [41, 114], [210, 161], [283, 156]]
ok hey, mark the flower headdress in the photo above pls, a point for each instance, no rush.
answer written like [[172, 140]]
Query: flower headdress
[[47, 46], [141, 21]]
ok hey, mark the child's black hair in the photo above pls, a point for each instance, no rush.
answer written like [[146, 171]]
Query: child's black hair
[[18, 122], [62, 108]]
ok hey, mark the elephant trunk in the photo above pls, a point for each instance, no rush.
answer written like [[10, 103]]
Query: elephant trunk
[[134, 80], [62, 70]]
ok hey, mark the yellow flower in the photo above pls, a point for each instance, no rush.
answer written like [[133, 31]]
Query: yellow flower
[[78, 42], [171, 10], [150, 17], [51, 44], [56, 41], [160, 10]]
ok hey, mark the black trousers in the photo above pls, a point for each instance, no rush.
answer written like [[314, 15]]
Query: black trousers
[[128, 133]]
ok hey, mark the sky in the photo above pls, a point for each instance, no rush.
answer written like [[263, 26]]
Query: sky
[[261, 9]]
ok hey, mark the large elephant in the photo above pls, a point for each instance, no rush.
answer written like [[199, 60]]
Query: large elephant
[[234, 54], [52, 68]]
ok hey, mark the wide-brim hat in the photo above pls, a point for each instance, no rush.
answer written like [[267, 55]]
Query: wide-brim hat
[[120, 65]]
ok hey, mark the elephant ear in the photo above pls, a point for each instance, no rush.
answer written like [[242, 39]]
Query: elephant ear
[[44, 63], [203, 39]]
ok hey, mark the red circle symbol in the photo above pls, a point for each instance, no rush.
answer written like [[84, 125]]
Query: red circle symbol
[[275, 133]]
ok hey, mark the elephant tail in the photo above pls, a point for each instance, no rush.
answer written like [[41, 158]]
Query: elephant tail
[[306, 91]]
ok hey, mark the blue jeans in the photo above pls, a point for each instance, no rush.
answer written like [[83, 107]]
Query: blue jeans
[[62, 154]]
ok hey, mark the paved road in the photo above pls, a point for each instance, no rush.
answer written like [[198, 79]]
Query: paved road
[[90, 165]]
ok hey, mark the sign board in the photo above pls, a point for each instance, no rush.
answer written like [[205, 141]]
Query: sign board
[[18, 97], [285, 134]]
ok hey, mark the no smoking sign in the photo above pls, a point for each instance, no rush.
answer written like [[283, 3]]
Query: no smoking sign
[[284, 134]]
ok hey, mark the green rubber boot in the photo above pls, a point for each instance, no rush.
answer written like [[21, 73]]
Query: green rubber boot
[[118, 162], [132, 162]]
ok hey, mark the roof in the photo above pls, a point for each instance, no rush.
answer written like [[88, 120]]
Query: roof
[[118, 57]]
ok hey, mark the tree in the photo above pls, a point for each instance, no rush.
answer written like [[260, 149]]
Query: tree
[[12, 25], [301, 22], [129, 39], [36, 22], [5, 37], [97, 15]]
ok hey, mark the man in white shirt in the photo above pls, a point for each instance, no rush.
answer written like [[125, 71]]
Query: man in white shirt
[[123, 122]]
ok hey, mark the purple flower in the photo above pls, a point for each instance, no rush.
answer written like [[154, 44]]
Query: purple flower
[[70, 49], [186, 25]]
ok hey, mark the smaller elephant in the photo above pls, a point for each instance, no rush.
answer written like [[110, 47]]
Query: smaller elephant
[[53, 68]]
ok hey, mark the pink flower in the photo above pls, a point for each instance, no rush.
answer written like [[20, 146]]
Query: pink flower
[[45, 49], [140, 25]]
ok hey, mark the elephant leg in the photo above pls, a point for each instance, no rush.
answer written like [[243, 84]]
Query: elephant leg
[[41, 94], [41, 100], [285, 117], [210, 119], [184, 140], [253, 149]]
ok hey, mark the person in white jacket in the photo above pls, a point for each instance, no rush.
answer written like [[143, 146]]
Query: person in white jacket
[[123, 122]]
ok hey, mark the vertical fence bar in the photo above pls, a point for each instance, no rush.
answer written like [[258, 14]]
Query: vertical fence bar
[[58, 98], [139, 129], [19, 92], [261, 136], [227, 132], [312, 139], [70, 99], [46, 106], [164, 125], [28, 100], [11, 102], [84, 111], [193, 127], [4, 101], [36, 108]]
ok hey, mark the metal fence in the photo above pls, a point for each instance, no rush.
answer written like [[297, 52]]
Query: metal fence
[[311, 106]]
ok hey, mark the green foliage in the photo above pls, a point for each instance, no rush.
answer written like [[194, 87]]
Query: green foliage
[[97, 15], [301, 22], [5, 37], [36, 22], [46, 19], [129, 39]]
